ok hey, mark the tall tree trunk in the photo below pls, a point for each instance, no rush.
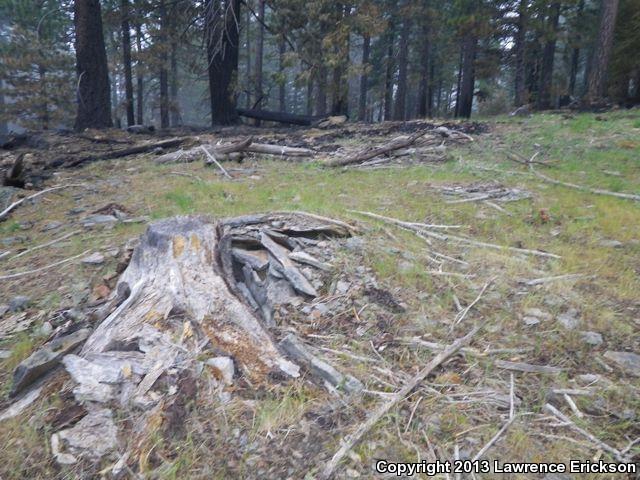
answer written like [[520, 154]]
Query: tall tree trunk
[[464, 103], [321, 90], [44, 106], [520, 97], [598, 75], [174, 84], [282, 93], [94, 106], [139, 78], [575, 54], [164, 60], [362, 100], [401, 93], [126, 61], [545, 85], [259, 55], [222, 35], [459, 79], [309, 105], [249, 81], [424, 86], [388, 77]]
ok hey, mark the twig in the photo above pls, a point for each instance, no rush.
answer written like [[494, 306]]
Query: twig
[[413, 412], [445, 238], [494, 439], [527, 367], [52, 242], [512, 397], [470, 306], [353, 439], [213, 160], [596, 441], [41, 269], [540, 281], [5, 213], [573, 406], [597, 191]]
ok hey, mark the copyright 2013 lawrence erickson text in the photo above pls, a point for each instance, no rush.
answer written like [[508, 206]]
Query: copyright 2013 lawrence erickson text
[[496, 466]]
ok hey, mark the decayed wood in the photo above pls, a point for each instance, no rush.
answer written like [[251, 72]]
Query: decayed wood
[[527, 367], [280, 150], [5, 213], [212, 159], [369, 153], [280, 117], [353, 439]]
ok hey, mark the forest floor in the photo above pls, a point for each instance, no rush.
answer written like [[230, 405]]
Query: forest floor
[[434, 293]]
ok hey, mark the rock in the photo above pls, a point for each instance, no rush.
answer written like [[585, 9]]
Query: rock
[[91, 438], [93, 220], [52, 226], [355, 244], [45, 329], [607, 243], [569, 319], [4, 354], [100, 291], [18, 303], [303, 257], [94, 259], [628, 362], [17, 407], [4, 308], [301, 354], [45, 359], [539, 314], [530, 321], [224, 368], [342, 287], [592, 338]]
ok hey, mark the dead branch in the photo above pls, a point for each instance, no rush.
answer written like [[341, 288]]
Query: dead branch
[[52, 242], [41, 269], [540, 281], [353, 439], [470, 306], [5, 213], [597, 191], [280, 150], [212, 159], [527, 367]]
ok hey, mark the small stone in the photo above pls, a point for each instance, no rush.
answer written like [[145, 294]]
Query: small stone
[[628, 362], [101, 291], [45, 329], [588, 378], [93, 220], [4, 308], [531, 321], [4, 354], [322, 308], [18, 303], [611, 243], [342, 286], [569, 319], [52, 226], [536, 312], [94, 259], [354, 243], [224, 367], [592, 338]]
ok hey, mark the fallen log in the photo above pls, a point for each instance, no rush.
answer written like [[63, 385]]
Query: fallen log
[[280, 117], [123, 152], [369, 153], [280, 150]]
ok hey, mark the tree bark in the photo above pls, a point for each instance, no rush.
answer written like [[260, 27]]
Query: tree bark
[[321, 90], [424, 87], [575, 55], [464, 102], [126, 61], [175, 81], [548, 55], [139, 70], [388, 77], [164, 60], [598, 75], [364, 80], [222, 35], [249, 69], [94, 106], [520, 46], [259, 56], [401, 93], [282, 85]]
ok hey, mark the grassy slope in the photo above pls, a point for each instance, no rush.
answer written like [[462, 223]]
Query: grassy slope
[[557, 219]]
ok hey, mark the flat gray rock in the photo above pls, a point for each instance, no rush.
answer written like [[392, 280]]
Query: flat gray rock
[[52, 226], [94, 259], [628, 362], [592, 338], [18, 303], [91, 438], [44, 359], [92, 220], [569, 319]]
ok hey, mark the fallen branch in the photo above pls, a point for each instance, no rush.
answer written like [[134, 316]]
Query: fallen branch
[[212, 159], [353, 439], [52, 242], [5, 213], [470, 306], [41, 269], [540, 281], [597, 191], [596, 441], [447, 237], [527, 367], [280, 150]]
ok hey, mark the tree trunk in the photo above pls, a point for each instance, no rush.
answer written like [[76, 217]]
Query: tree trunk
[[222, 35], [321, 90], [4, 128], [174, 87], [401, 93], [388, 77], [459, 79], [598, 75], [259, 56], [548, 55], [575, 55], [94, 106], [248, 37], [126, 61], [520, 45], [164, 60], [424, 87], [44, 106], [362, 101], [139, 74], [282, 93], [464, 103], [309, 105]]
